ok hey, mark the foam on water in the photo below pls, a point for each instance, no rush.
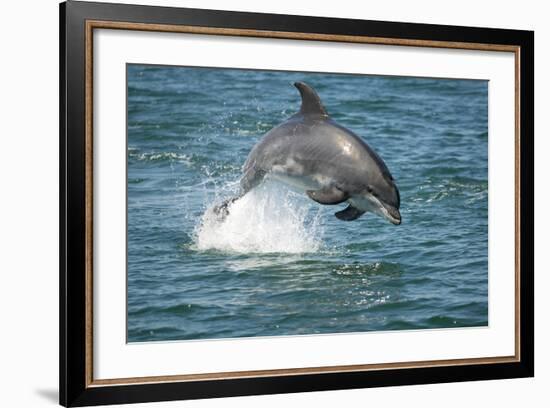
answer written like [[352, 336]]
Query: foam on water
[[269, 219]]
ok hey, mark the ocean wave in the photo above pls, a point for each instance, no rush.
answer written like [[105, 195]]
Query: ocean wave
[[160, 156], [360, 269], [437, 189]]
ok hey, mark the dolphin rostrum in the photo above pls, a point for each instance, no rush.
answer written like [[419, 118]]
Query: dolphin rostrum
[[328, 162]]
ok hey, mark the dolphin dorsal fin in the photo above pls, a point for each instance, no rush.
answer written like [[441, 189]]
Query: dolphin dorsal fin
[[311, 103]]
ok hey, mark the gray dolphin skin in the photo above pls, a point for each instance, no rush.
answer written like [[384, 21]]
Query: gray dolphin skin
[[321, 158]]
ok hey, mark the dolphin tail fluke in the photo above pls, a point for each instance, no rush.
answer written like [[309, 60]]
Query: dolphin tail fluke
[[251, 178], [222, 210]]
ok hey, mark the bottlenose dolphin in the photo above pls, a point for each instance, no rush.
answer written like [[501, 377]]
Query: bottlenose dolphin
[[328, 162]]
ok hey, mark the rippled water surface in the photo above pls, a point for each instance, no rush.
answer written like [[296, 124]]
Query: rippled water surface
[[282, 264]]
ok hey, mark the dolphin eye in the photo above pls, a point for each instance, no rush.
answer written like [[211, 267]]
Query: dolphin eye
[[371, 191]]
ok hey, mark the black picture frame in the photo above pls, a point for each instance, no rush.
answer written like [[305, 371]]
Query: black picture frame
[[75, 386]]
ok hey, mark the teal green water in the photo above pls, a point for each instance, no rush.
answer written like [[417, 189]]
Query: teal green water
[[282, 264]]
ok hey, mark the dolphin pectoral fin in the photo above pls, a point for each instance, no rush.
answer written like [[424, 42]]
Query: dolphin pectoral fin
[[349, 214], [328, 196]]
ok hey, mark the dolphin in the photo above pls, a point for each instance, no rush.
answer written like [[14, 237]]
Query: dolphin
[[323, 159]]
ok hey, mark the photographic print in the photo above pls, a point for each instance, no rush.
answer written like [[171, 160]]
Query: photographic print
[[260, 203], [273, 203]]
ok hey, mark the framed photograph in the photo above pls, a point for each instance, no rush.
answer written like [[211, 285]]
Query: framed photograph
[[256, 203]]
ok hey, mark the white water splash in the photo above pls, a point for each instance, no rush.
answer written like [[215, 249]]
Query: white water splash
[[269, 219]]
